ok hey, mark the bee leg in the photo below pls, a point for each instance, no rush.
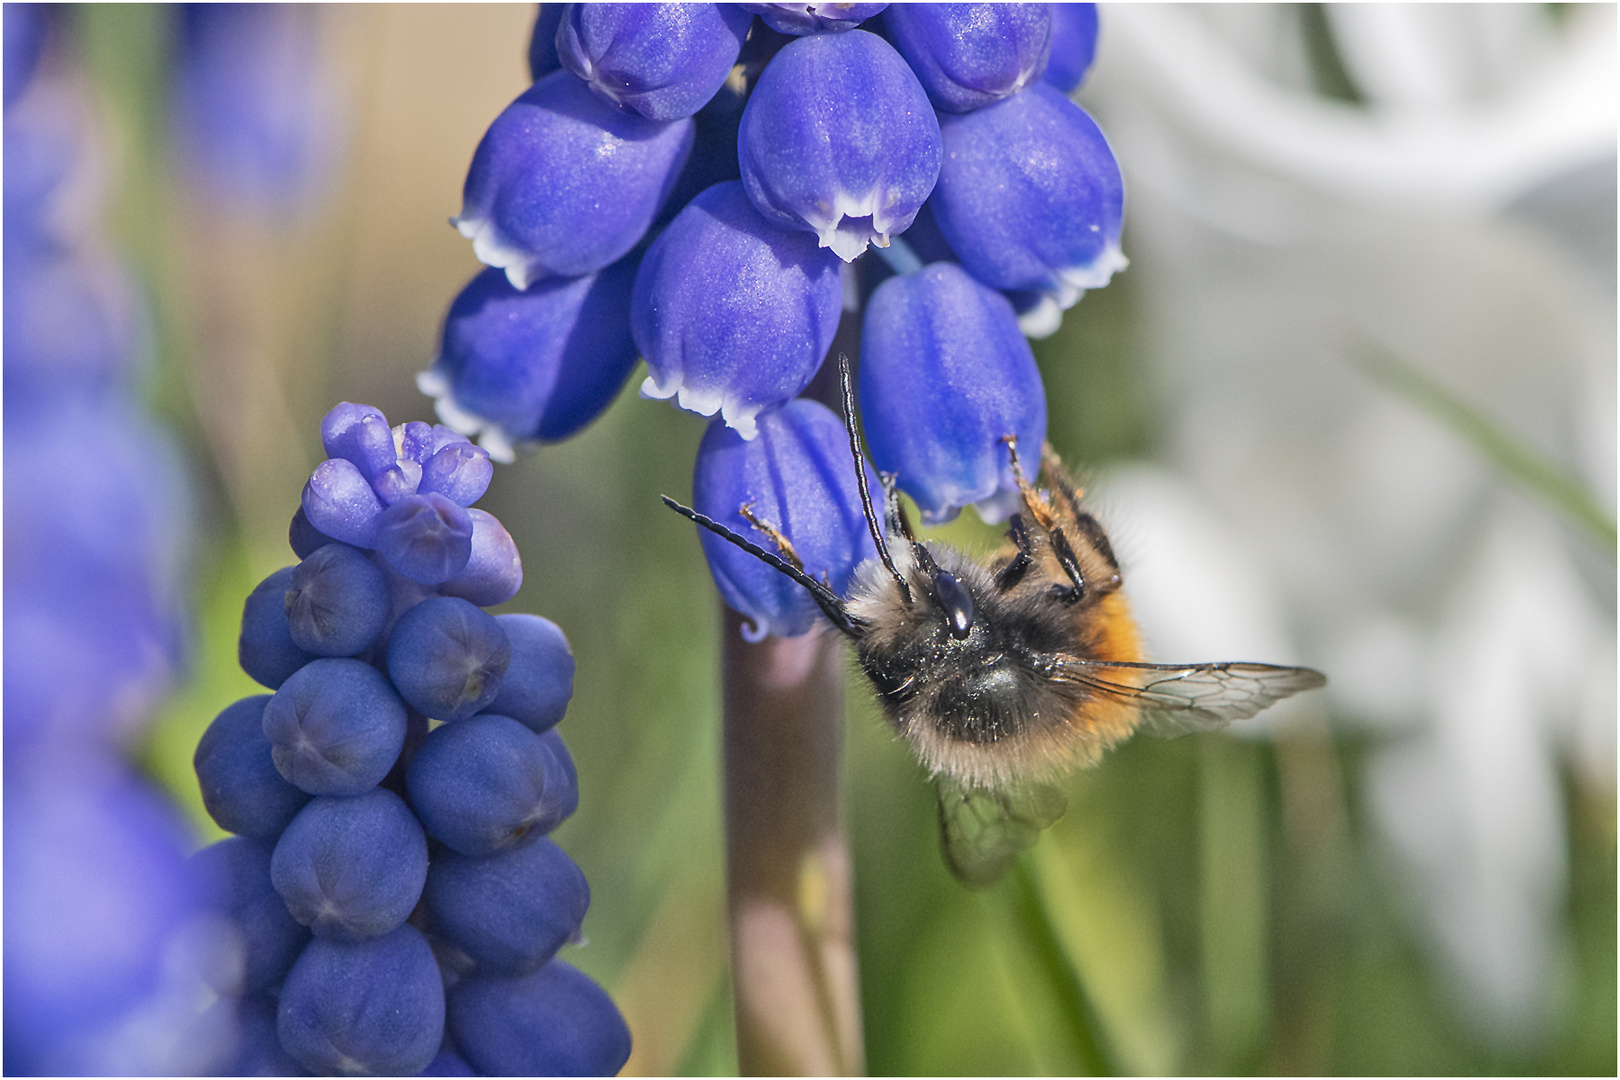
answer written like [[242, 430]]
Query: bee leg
[[1069, 498], [783, 544], [1010, 575], [1058, 480], [1040, 508]]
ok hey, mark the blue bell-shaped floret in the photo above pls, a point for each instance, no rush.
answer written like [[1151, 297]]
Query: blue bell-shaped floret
[[839, 139], [1030, 196], [564, 183], [968, 56], [798, 479], [1074, 45], [945, 376], [733, 314], [536, 365], [665, 61]]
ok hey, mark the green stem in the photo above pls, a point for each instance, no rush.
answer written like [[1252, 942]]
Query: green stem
[[1064, 987]]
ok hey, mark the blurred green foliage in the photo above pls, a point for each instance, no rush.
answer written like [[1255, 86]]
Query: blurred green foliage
[[1210, 905]]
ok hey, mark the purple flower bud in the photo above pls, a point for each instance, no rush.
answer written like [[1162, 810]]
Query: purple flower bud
[[460, 472], [665, 61], [416, 441], [494, 572], [512, 910], [1030, 196], [1074, 44], [945, 374], [397, 481], [733, 314], [303, 537], [968, 56], [564, 183], [340, 503], [336, 601], [359, 434], [838, 138], [796, 477], [335, 727], [539, 678], [554, 1022], [533, 365], [374, 1006], [801, 19], [427, 538]]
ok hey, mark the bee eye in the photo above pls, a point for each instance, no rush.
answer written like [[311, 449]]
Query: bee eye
[[956, 602]]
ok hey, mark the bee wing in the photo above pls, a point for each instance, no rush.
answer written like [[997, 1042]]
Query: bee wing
[[1178, 699], [982, 830]]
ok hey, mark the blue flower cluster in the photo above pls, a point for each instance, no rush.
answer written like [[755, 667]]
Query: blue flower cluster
[[396, 899], [694, 184], [104, 944]]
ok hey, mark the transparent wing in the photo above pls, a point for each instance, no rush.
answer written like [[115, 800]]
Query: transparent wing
[[1178, 699], [982, 830]]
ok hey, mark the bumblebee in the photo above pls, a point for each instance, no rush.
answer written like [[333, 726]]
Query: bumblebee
[[1003, 675]]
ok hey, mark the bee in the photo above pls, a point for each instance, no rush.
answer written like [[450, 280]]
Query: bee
[[1006, 674]]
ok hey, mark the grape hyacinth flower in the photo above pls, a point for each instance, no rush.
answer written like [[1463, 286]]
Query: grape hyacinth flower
[[800, 19], [253, 113], [391, 799], [107, 949], [839, 127]]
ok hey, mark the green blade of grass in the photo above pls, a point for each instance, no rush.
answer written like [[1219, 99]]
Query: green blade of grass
[[1033, 922], [1564, 492]]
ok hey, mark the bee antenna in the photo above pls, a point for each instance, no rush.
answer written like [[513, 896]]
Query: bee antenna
[[825, 598], [860, 480]]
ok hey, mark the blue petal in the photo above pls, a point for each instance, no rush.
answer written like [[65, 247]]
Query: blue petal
[[799, 478], [733, 314], [564, 183], [665, 61], [1030, 196], [968, 56], [945, 375], [540, 364], [1074, 44], [839, 139]]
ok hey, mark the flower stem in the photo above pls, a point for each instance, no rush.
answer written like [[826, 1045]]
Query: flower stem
[[792, 921]]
